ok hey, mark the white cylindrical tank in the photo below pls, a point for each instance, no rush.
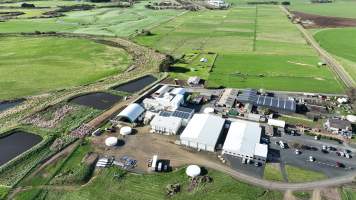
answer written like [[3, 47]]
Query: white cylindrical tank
[[209, 110], [111, 141], [126, 130], [193, 170]]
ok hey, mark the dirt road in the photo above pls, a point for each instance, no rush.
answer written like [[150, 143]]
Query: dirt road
[[330, 61]]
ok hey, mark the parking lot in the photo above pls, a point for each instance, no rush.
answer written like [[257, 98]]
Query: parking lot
[[327, 162]]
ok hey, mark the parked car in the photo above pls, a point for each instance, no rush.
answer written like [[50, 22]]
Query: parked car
[[311, 159], [339, 165], [297, 152]]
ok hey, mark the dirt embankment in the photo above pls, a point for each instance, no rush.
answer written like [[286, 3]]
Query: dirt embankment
[[318, 21]]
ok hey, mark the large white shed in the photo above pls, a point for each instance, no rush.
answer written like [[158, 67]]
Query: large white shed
[[202, 132]]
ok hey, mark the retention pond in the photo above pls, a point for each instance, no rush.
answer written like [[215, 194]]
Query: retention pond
[[9, 104], [136, 85], [97, 100], [15, 144]]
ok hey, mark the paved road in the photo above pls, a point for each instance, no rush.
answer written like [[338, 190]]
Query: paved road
[[332, 63]]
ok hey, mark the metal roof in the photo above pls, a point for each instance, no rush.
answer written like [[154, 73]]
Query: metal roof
[[251, 96], [203, 129], [243, 137], [131, 112]]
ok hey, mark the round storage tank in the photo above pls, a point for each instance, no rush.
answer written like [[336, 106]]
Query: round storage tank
[[111, 141], [193, 170], [209, 110], [126, 130]]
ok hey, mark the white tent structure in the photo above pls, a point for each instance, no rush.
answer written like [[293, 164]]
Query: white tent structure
[[131, 113], [193, 171], [111, 141], [126, 130], [243, 140], [202, 132]]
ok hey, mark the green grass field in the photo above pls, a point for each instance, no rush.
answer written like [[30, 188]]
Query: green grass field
[[146, 187], [272, 172], [340, 42], [252, 51], [342, 8], [348, 193], [100, 21], [298, 175], [33, 65]]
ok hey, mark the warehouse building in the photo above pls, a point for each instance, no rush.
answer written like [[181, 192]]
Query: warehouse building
[[166, 125], [243, 140], [274, 103], [165, 98], [202, 132]]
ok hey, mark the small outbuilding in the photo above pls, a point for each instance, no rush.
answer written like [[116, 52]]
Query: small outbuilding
[[166, 125]]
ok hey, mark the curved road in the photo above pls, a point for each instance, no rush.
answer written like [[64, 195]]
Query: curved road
[[279, 185]]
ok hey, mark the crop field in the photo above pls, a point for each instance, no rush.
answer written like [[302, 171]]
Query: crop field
[[99, 21], [54, 63], [257, 47], [340, 42], [343, 8], [132, 186]]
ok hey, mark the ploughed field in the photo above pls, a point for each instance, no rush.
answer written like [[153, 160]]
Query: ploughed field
[[33, 65], [257, 47]]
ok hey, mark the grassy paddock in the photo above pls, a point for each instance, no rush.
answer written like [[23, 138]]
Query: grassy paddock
[[299, 175], [131, 186], [54, 63], [272, 172], [252, 51]]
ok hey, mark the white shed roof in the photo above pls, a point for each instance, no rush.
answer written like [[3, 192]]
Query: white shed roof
[[261, 150], [178, 91], [172, 123], [132, 112], [204, 129], [242, 138]]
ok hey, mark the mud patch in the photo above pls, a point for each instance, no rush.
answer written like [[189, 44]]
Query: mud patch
[[318, 21], [136, 85], [97, 100], [15, 144]]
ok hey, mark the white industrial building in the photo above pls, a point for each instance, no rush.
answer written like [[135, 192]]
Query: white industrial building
[[166, 125], [165, 98], [131, 113], [202, 132], [243, 140]]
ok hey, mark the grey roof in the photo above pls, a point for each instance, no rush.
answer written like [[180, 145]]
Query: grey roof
[[251, 96], [339, 123], [180, 112]]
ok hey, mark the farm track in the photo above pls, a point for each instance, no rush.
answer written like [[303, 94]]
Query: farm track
[[334, 65]]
